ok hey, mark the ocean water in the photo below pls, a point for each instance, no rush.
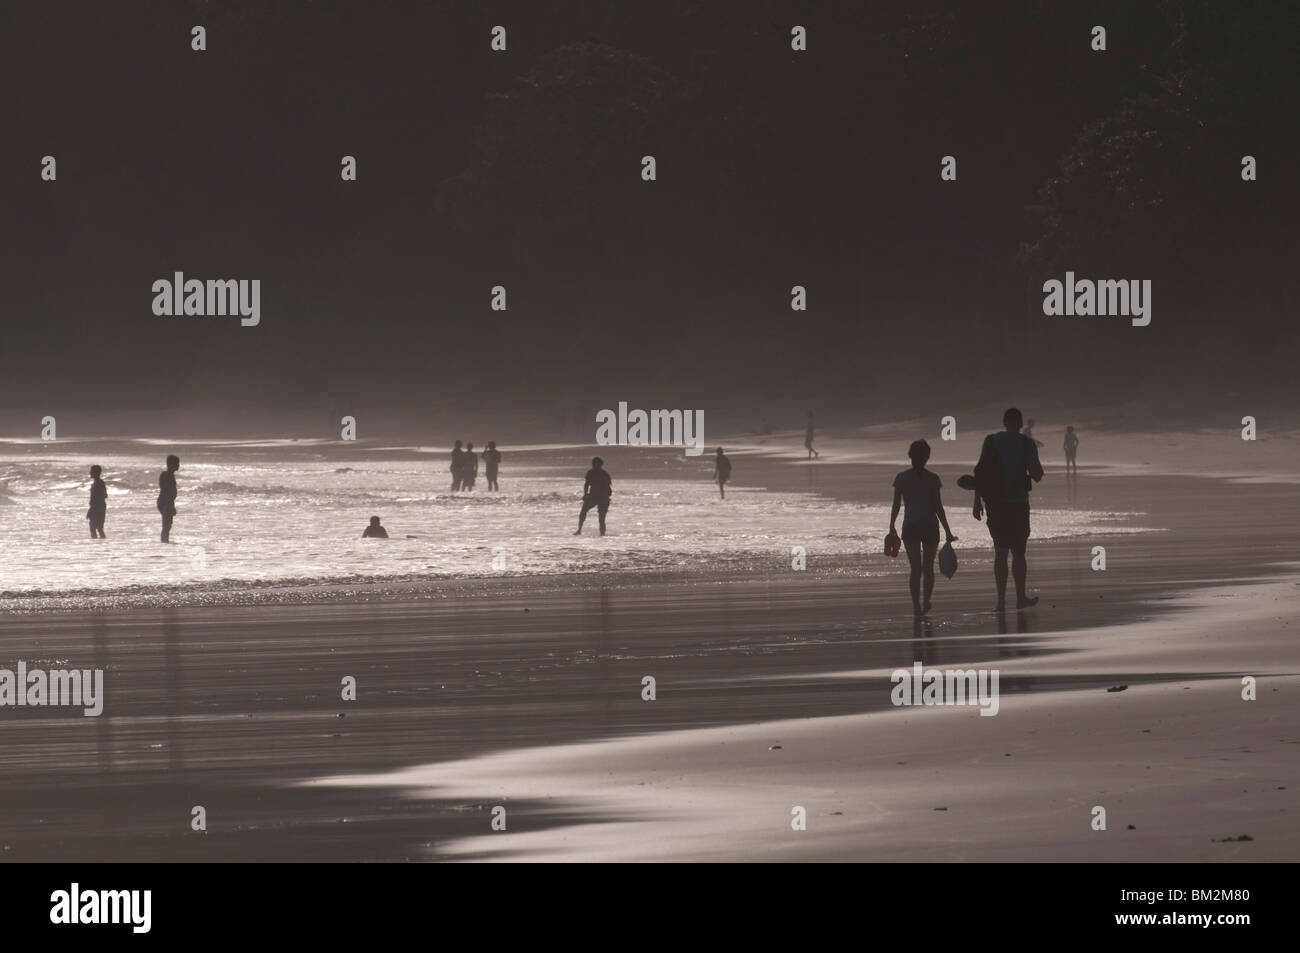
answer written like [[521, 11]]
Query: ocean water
[[266, 513]]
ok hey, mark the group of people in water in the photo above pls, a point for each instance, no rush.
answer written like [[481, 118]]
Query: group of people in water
[[464, 466], [98, 511], [1007, 469]]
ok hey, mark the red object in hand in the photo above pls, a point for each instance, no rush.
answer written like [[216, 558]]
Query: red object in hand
[[892, 544]]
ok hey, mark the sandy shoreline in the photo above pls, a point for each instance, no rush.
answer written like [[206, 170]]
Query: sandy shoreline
[[1189, 764]]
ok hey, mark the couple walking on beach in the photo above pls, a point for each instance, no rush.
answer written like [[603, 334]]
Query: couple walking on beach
[[1008, 467]]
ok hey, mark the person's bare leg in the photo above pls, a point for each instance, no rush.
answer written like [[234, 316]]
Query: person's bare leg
[[930, 550], [1000, 574], [913, 547], [1019, 569]]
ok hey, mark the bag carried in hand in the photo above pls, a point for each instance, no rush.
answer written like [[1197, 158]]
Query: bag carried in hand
[[947, 560], [892, 544]]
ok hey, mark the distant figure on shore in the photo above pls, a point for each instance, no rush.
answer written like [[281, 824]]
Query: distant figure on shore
[[470, 472], [457, 466], [721, 472], [1007, 465], [1071, 448], [98, 503], [491, 461], [918, 489], [374, 530], [808, 437], [167, 495], [1029, 432], [596, 491]]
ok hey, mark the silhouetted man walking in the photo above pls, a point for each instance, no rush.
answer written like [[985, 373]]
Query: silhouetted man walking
[[721, 472], [1007, 465]]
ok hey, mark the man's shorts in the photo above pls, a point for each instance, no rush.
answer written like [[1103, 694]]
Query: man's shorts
[[1008, 524]]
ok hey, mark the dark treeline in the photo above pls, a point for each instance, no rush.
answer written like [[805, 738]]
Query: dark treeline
[[522, 169]]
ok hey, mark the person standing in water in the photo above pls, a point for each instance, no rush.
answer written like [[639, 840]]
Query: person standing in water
[[721, 472], [596, 492], [1007, 465], [1029, 432], [808, 438], [457, 466], [374, 530], [470, 472], [167, 495], [492, 460], [98, 503], [1071, 448], [918, 489]]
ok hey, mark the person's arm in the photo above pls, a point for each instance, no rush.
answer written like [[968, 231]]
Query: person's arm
[[1035, 466], [943, 517], [893, 514], [985, 449]]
